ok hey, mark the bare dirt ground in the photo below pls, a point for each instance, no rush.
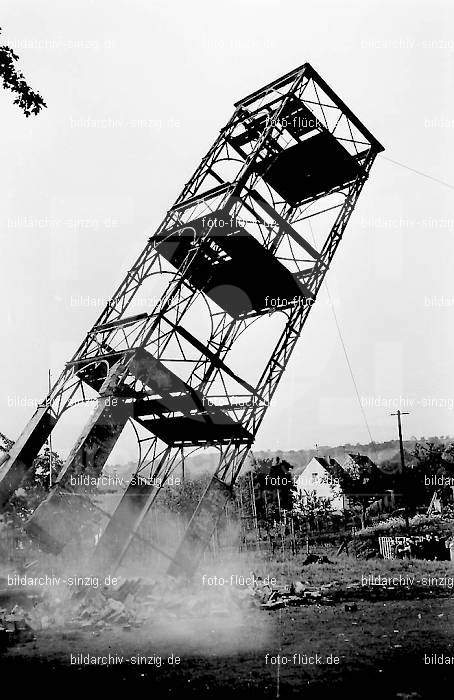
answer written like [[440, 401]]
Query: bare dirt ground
[[381, 650]]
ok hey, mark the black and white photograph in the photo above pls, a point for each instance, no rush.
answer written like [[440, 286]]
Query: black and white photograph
[[227, 342]]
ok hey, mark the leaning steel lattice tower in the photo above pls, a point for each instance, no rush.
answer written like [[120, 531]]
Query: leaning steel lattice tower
[[248, 241]]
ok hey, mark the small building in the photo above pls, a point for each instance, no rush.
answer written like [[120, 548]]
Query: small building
[[322, 476]]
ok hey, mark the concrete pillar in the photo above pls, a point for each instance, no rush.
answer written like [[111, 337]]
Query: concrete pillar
[[24, 451], [121, 527], [59, 518], [200, 528]]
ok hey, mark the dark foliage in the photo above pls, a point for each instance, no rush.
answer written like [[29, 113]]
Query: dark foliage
[[34, 488], [274, 489], [29, 101]]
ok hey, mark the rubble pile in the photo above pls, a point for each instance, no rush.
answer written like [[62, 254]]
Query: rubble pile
[[88, 607], [132, 603], [14, 629], [136, 601], [299, 593]]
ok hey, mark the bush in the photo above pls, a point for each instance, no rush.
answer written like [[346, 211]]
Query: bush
[[419, 524]]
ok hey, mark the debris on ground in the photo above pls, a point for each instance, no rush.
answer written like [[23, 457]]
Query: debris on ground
[[134, 602], [316, 559], [351, 607], [14, 629]]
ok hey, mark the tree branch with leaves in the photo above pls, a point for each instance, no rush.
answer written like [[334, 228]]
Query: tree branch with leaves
[[13, 79]]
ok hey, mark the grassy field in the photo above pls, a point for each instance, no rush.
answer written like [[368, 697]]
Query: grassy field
[[344, 569]]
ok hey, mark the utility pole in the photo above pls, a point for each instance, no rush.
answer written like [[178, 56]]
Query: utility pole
[[49, 441], [254, 510], [402, 457]]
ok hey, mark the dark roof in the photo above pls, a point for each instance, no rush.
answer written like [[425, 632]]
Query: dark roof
[[361, 460], [334, 468]]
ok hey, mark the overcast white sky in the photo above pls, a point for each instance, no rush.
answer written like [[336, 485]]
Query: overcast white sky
[[79, 202]]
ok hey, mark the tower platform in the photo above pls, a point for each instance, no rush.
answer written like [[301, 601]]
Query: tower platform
[[233, 268]]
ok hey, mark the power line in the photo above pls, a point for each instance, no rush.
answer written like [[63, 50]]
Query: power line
[[336, 320], [419, 172], [344, 348], [348, 363]]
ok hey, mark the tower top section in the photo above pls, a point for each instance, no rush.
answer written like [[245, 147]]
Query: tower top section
[[292, 81]]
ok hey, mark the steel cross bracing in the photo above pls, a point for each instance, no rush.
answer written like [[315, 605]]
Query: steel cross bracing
[[233, 457], [292, 154]]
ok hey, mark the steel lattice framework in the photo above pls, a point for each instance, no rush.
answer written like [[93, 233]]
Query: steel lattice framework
[[259, 221]]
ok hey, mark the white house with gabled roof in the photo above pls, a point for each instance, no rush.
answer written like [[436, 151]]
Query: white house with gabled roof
[[322, 476]]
